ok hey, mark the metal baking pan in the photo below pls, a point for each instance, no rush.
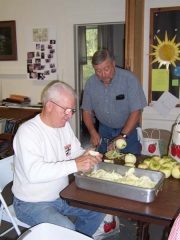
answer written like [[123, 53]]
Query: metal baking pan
[[139, 194]]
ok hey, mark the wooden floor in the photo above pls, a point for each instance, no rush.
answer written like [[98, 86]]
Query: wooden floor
[[128, 227]]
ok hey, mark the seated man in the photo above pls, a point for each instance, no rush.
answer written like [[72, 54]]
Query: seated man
[[46, 152]]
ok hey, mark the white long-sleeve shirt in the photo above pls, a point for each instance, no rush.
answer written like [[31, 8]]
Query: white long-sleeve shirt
[[43, 159]]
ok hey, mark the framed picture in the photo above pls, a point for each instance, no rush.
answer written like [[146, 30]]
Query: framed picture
[[8, 46]]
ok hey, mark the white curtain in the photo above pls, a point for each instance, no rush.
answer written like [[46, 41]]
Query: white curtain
[[82, 45], [105, 37]]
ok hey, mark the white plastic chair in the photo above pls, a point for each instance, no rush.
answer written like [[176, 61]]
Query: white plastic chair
[[7, 212], [48, 231]]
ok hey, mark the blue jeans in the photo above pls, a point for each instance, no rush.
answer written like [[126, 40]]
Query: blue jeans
[[56, 212], [133, 145]]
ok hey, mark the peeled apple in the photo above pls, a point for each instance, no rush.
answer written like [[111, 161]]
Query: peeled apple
[[166, 170], [143, 166], [93, 153], [176, 171], [130, 158], [128, 164], [121, 143]]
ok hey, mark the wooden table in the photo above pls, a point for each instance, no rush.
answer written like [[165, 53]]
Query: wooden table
[[162, 211]]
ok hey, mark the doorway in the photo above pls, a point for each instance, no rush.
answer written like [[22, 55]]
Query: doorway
[[107, 35]]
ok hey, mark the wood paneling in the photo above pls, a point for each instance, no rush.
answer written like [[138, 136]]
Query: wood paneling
[[134, 38], [134, 35]]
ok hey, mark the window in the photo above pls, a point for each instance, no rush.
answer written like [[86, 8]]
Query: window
[[92, 46]]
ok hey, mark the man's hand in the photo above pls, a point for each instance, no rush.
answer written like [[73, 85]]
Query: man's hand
[[95, 139], [87, 162], [112, 144], [88, 120]]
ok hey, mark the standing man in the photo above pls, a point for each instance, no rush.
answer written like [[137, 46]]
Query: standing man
[[46, 152], [116, 98]]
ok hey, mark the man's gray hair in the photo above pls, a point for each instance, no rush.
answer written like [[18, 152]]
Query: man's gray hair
[[53, 93], [101, 55]]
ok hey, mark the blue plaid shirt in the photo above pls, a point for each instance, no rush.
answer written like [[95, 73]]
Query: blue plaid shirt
[[102, 100]]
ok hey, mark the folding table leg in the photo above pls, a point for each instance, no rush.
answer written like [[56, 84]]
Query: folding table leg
[[142, 231]]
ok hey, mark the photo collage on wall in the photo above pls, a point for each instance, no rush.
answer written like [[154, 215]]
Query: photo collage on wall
[[42, 54]]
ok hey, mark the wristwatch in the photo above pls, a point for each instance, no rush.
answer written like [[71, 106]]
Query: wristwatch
[[123, 135]]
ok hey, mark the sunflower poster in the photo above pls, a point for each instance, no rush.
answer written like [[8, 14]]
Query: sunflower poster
[[165, 52]]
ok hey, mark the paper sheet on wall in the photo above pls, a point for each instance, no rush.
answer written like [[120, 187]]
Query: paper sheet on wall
[[160, 80], [165, 103], [41, 53]]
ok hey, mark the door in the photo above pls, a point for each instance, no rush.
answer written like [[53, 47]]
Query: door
[[109, 36]]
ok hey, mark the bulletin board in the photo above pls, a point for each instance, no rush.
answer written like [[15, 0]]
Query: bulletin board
[[164, 25], [41, 53]]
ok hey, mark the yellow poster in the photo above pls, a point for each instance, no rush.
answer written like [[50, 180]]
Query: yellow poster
[[160, 80]]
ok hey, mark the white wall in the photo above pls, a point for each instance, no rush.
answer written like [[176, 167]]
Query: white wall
[[151, 118], [63, 14]]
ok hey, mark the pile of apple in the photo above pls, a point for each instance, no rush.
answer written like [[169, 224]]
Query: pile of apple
[[166, 164]]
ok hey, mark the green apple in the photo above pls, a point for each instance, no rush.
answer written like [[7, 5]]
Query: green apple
[[154, 165], [167, 164], [128, 164], [157, 158], [173, 162], [130, 158], [166, 170], [168, 158], [143, 165], [147, 161], [163, 160], [176, 171]]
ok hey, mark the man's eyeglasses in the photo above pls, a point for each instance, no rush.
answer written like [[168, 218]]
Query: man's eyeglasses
[[66, 110]]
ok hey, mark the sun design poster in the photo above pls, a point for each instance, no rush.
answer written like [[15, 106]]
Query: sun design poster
[[165, 51], [41, 54]]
